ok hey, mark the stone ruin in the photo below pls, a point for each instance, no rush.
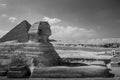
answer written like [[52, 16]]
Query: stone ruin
[[32, 44]]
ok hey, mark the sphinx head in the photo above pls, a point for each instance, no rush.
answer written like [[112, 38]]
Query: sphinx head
[[39, 32]]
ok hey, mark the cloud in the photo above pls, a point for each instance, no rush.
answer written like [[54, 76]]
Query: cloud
[[12, 19], [71, 33], [4, 15], [3, 5], [51, 20], [2, 32]]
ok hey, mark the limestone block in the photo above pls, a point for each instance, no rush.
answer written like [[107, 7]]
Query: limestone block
[[70, 72], [18, 72], [3, 72]]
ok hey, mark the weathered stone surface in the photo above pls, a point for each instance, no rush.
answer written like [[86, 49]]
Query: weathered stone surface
[[39, 32], [18, 72], [43, 53], [19, 33], [70, 72], [3, 72]]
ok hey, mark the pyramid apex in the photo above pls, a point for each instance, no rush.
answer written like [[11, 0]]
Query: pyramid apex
[[25, 21]]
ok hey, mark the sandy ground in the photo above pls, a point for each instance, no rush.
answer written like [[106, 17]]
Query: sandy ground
[[82, 54], [90, 49], [117, 78]]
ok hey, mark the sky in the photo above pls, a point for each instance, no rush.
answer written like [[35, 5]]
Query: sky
[[69, 19]]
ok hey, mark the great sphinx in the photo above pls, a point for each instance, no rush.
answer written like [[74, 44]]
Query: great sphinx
[[35, 46]]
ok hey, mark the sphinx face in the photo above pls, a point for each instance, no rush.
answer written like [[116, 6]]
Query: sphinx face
[[44, 29]]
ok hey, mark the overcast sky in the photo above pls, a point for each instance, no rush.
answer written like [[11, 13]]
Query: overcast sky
[[69, 19]]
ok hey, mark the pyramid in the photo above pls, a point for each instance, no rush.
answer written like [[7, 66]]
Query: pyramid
[[19, 33]]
